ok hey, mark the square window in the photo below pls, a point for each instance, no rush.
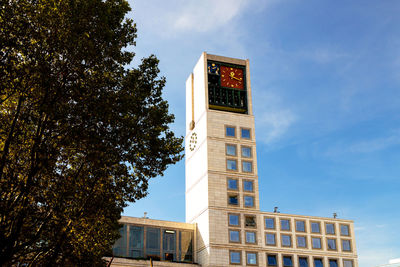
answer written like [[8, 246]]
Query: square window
[[331, 244], [235, 257], [287, 261], [333, 263], [234, 236], [246, 152], [234, 219], [286, 240], [285, 224], [300, 226], [245, 133], [346, 245], [347, 263], [251, 237], [269, 223], [230, 131], [271, 260], [318, 263], [231, 164], [316, 242], [247, 166], [270, 239], [301, 242], [250, 221], [330, 229], [251, 258], [248, 201], [248, 186], [344, 230], [230, 150], [232, 184], [315, 227], [233, 200], [303, 262]]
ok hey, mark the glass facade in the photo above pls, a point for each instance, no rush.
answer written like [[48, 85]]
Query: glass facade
[[142, 242]]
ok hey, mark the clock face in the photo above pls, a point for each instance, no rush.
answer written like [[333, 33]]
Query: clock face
[[232, 77]]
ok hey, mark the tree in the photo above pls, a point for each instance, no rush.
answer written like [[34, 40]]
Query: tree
[[80, 133]]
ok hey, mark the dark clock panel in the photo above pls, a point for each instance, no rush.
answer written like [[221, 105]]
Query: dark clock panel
[[227, 87]]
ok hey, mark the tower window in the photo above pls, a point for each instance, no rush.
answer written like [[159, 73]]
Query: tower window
[[271, 260], [269, 223], [248, 201], [246, 152], [235, 257], [250, 221], [301, 242], [316, 242], [300, 226], [245, 133], [333, 263], [247, 166], [233, 200], [287, 261], [251, 237], [286, 240], [344, 230], [234, 236], [230, 131], [248, 186], [285, 224], [231, 150], [318, 263], [270, 239], [303, 262], [232, 184], [347, 263], [231, 164], [233, 220], [330, 228], [251, 258], [332, 244], [315, 228], [346, 245]]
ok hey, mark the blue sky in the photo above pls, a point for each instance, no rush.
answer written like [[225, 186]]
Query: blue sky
[[325, 77]]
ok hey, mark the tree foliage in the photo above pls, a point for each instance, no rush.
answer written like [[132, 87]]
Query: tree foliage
[[80, 133]]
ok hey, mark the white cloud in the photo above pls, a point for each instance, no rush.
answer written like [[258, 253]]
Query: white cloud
[[273, 120]]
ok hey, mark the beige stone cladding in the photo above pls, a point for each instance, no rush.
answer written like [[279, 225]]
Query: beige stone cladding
[[122, 262]]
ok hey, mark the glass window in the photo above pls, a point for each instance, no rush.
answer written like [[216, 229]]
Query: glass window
[[300, 226], [235, 257], [251, 257], [287, 261], [330, 229], [344, 229], [250, 221], [318, 263], [245, 133], [303, 262], [270, 239], [169, 244], [248, 201], [136, 242], [231, 164], [285, 224], [271, 260], [346, 245], [247, 185], [247, 166], [301, 242], [347, 263], [332, 244], [250, 237], [119, 248], [246, 152], [316, 242], [233, 219], [233, 200], [231, 150], [269, 223], [234, 236], [186, 246], [153, 242], [286, 241], [232, 184], [230, 131], [333, 263], [315, 227]]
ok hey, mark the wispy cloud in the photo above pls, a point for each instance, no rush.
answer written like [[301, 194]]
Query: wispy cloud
[[272, 120]]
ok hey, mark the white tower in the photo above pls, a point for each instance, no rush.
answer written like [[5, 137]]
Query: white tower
[[221, 163]]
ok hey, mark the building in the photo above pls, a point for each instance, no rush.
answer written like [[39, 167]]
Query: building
[[223, 217]]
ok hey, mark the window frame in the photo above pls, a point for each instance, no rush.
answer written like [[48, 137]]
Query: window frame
[[350, 245], [234, 131], [320, 242], [270, 233], [241, 133], [238, 199], [290, 238], [255, 220], [226, 149], [306, 241], [236, 162], [244, 202], [327, 244], [334, 228], [291, 258], [348, 229], [304, 257], [237, 183], [233, 225], [251, 152], [318, 258], [248, 180], [251, 264], [255, 237], [333, 259], [285, 219], [240, 258], [251, 163], [276, 259], [304, 225], [240, 236], [273, 220], [311, 227], [349, 260]]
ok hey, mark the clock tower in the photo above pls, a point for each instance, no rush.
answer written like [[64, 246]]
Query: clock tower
[[221, 165]]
